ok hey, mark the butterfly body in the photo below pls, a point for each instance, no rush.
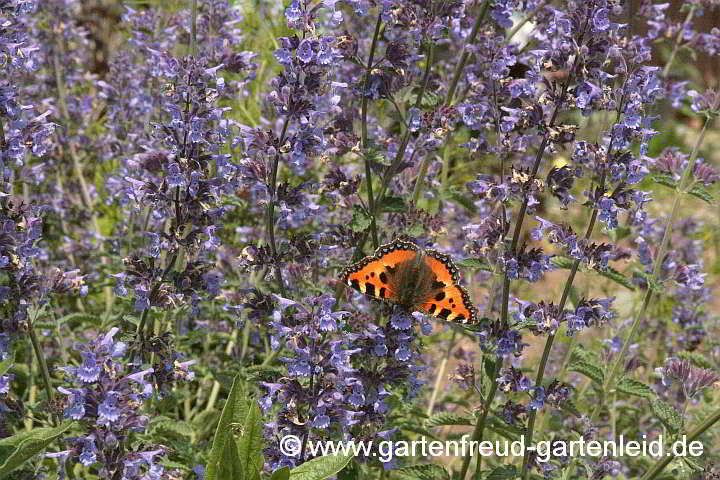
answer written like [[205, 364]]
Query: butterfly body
[[400, 273]]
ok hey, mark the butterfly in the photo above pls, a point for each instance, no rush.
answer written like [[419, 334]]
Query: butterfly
[[402, 274]]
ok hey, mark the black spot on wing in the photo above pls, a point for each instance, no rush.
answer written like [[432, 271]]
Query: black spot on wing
[[444, 313], [459, 317], [431, 310], [382, 292], [440, 296], [383, 277], [390, 270], [370, 289], [437, 284]]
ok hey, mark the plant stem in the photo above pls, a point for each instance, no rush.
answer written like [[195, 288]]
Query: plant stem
[[271, 205], [440, 374], [524, 20], [153, 292], [77, 166], [480, 425], [426, 161], [390, 171], [678, 39], [193, 29], [364, 130], [565, 295], [465, 54], [43, 368], [696, 432], [682, 189]]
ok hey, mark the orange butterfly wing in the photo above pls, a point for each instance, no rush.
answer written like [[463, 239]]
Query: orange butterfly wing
[[368, 275], [452, 303]]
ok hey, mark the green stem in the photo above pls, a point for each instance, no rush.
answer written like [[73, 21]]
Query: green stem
[[678, 39], [441, 374], [465, 54], [43, 368], [390, 171], [699, 430], [364, 130], [193, 29], [75, 158], [426, 161], [271, 206], [682, 189], [480, 425], [153, 292], [524, 20], [563, 299]]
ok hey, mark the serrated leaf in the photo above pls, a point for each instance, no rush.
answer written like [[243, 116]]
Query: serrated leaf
[[590, 370], [505, 472], [631, 386], [426, 471], [667, 414], [497, 425], [177, 427], [360, 220], [429, 99], [234, 411], [442, 419], [281, 474], [250, 444], [562, 262], [663, 179], [230, 467], [696, 359], [320, 468], [475, 263], [617, 277], [17, 449], [393, 204], [699, 191]]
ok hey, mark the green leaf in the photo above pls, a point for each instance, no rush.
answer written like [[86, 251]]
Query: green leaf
[[489, 366], [454, 195], [590, 370], [360, 220], [250, 445], [234, 411], [474, 263], [428, 100], [230, 466], [699, 191], [631, 386], [497, 425], [667, 414], [696, 359], [506, 472], [17, 449], [176, 428], [281, 474], [442, 419], [426, 471], [7, 363], [617, 277], [562, 262], [320, 468], [664, 179], [393, 204]]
